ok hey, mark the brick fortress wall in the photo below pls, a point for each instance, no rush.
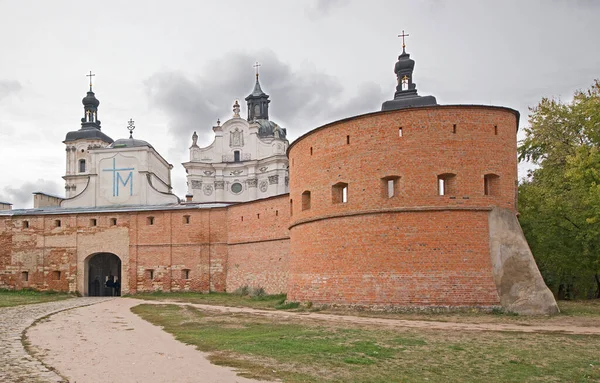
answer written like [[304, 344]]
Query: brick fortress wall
[[416, 247]]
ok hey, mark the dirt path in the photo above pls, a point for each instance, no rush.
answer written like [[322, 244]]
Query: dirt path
[[510, 327], [106, 342]]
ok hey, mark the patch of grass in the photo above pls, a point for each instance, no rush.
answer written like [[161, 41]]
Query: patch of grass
[[287, 306], [257, 300], [9, 298], [293, 350], [587, 308]]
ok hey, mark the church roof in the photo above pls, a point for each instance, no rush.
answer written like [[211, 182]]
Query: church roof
[[129, 143], [109, 209], [88, 134], [257, 92]]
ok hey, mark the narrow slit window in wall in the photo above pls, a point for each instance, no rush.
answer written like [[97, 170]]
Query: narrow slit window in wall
[[93, 222], [81, 166], [400, 132], [186, 219], [150, 220], [495, 130], [185, 274], [347, 140], [25, 224], [56, 275], [454, 128], [150, 274], [113, 222], [25, 276], [57, 223]]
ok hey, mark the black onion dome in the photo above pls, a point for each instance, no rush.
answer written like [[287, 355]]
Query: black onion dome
[[405, 63], [90, 100], [129, 143]]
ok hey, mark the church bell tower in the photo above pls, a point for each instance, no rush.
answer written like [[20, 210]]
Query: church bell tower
[[258, 102]]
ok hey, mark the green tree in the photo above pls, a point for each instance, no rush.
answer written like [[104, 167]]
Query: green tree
[[560, 199]]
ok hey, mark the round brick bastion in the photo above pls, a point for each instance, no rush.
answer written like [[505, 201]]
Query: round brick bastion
[[393, 208]]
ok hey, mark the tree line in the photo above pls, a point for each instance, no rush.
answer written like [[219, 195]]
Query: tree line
[[559, 200]]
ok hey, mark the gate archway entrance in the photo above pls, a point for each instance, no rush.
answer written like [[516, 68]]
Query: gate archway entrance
[[103, 275]]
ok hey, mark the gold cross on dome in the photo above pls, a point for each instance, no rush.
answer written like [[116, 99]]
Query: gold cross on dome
[[403, 35], [90, 76], [256, 66]]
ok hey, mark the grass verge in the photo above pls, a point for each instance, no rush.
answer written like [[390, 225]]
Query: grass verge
[[218, 299], [307, 351], [9, 298]]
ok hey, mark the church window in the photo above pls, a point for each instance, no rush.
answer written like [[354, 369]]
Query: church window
[[93, 222], [113, 222], [447, 184], [236, 188], [57, 223], [306, 200], [454, 128], [339, 193], [25, 276], [491, 184], [400, 132], [25, 224], [185, 274], [56, 275], [150, 220], [390, 186], [150, 274], [495, 130], [186, 219], [236, 156], [347, 140], [81, 166]]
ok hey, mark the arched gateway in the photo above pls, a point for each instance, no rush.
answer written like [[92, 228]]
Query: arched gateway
[[103, 275]]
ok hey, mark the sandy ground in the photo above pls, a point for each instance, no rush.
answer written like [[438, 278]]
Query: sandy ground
[[565, 328], [106, 342]]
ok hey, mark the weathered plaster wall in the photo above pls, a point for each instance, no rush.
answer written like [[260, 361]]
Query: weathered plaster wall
[[518, 280]]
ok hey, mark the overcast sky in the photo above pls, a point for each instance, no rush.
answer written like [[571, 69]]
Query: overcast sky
[[177, 66]]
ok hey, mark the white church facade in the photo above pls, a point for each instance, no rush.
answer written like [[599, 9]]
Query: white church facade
[[246, 161]]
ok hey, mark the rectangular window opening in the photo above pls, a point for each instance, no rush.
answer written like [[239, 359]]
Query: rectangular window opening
[[186, 219], [454, 128], [400, 132], [276, 213], [25, 224], [446, 184], [390, 186], [113, 222], [56, 275], [495, 130], [258, 216], [25, 276], [150, 220], [57, 223], [491, 184], [93, 222], [339, 193], [150, 274], [311, 151], [185, 274], [347, 140], [291, 208], [306, 200]]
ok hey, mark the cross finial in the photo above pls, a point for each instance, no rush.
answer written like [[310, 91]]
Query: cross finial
[[130, 127], [403, 35], [256, 66], [90, 76]]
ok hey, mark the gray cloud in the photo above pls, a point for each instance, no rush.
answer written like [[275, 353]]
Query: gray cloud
[[21, 196], [7, 87], [322, 8], [301, 99]]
